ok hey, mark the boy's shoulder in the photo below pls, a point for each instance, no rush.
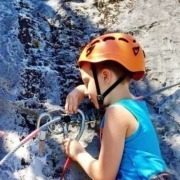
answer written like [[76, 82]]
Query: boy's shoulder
[[118, 113], [130, 103], [121, 117]]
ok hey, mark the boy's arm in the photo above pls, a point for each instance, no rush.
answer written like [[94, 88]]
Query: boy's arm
[[112, 145], [74, 98]]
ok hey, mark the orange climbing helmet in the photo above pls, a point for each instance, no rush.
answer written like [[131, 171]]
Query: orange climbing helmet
[[119, 47]]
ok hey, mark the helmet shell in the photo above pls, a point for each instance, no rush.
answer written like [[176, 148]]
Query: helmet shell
[[119, 47]]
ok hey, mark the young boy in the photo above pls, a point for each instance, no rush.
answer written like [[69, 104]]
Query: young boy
[[129, 145]]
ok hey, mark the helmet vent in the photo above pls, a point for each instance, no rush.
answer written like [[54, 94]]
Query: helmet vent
[[95, 42], [89, 50], [136, 50], [109, 38], [92, 46], [122, 39]]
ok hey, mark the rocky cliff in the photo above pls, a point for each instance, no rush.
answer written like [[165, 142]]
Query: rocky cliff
[[39, 44]]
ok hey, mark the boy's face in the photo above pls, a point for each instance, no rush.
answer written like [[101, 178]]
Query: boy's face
[[87, 77], [104, 80]]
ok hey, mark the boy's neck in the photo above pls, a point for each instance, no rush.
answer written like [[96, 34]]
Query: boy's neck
[[120, 92]]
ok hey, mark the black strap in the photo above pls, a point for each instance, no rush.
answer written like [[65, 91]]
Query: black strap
[[95, 79], [100, 97], [113, 86]]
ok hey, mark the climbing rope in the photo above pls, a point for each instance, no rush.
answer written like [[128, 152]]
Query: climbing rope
[[51, 120]]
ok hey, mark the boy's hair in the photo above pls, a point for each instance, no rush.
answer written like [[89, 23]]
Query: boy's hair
[[118, 69]]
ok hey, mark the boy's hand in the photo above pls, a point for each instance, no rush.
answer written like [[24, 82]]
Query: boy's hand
[[72, 148], [74, 98]]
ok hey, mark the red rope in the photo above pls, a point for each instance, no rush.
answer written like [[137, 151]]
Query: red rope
[[65, 167]]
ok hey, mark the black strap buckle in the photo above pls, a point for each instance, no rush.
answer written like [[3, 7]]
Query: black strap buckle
[[100, 99]]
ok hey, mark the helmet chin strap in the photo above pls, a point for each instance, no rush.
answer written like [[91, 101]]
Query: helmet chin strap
[[100, 97]]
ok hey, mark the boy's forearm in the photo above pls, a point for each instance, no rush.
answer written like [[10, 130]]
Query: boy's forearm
[[89, 164], [82, 89]]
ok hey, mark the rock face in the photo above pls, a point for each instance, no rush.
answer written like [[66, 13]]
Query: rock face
[[39, 44]]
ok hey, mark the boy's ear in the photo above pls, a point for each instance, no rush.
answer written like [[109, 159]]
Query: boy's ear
[[106, 75]]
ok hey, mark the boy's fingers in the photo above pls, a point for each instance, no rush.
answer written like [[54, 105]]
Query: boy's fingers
[[67, 103], [67, 143], [64, 145], [68, 107], [74, 107], [66, 140], [71, 105]]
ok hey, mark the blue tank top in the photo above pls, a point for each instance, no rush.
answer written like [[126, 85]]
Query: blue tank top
[[141, 156]]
